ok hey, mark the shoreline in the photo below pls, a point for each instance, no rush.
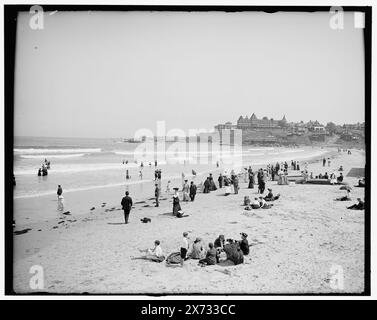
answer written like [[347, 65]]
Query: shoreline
[[111, 194]]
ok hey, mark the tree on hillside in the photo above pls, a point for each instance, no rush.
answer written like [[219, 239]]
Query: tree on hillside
[[331, 127]]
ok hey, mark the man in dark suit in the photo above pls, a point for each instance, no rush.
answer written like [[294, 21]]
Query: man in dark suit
[[126, 205], [157, 194], [192, 191]]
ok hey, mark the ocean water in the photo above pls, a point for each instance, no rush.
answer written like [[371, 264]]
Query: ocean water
[[90, 169]]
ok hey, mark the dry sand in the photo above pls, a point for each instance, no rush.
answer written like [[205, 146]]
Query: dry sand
[[295, 244]]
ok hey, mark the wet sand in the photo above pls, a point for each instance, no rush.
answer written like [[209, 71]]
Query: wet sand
[[295, 245]]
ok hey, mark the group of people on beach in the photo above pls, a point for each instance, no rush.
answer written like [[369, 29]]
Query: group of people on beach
[[43, 170], [345, 150], [218, 251]]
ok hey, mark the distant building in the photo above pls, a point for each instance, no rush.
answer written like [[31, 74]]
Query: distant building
[[297, 128], [316, 127], [225, 126], [265, 123], [357, 126]]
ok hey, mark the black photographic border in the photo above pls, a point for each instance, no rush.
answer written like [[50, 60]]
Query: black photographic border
[[10, 25]]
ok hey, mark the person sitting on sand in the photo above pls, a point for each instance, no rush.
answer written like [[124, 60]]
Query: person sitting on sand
[[244, 244], [233, 252], [361, 182], [270, 196], [154, 254], [360, 205], [263, 204], [340, 168], [220, 241], [346, 197], [325, 176], [197, 250], [255, 204], [340, 178], [246, 201], [211, 256]]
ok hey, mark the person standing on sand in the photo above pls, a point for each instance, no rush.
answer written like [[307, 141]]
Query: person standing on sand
[[126, 206], [59, 192], [185, 191], [220, 180], [168, 187], [235, 183], [157, 194], [251, 179], [184, 247], [176, 205], [324, 162], [212, 186], [192, 191], [206, 185]]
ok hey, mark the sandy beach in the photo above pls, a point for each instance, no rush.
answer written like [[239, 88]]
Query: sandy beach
[[295, 245]]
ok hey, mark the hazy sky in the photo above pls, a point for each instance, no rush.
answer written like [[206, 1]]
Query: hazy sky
[[98, 74]]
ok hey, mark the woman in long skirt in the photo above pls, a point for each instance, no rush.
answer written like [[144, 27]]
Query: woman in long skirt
[[176, 205]]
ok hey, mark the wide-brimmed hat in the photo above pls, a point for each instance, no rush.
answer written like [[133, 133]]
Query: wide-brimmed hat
[[243, 234], [269, 189], [185, 234]]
